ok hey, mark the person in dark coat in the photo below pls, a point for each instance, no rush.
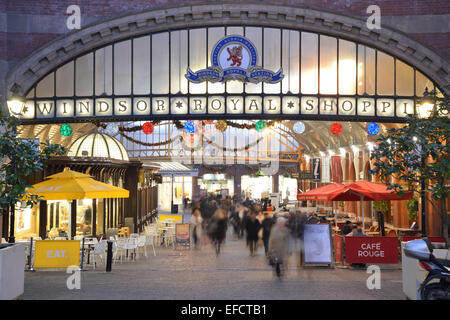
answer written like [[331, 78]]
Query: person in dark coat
[[267, 227], [218, 228], [252, 227], [347, 228]]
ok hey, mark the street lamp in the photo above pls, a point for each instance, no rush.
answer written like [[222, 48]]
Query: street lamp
[[427, 107], [15, 108], [15, 105]]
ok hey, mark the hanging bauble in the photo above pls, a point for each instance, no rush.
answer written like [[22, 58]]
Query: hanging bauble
[[299, 127], [189, 126], [111, 129], [373, 128], [260, 126], [221, 125], [259, 173], [148, 128], [65, 130], [336, 128]]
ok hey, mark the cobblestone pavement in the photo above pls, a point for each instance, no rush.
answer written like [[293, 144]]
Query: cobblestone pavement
[[199, 274]]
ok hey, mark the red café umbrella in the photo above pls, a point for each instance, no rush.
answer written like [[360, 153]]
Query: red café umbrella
[[324, 193], [368, 191]]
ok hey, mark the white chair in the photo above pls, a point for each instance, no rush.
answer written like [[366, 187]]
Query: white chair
[[120, 246], [134, 235], [99, 250], [78, 238], [149, 241], [141, 243], [131, 244]]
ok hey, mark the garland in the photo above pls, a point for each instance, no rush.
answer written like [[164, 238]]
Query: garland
[[180, 126], [146, 143]]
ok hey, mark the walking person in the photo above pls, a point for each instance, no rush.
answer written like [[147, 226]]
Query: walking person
[[218, 228], [252, 227], [196, 222], [267, 224], [277, 246]]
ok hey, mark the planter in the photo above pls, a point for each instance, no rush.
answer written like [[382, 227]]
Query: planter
[[12, 266]]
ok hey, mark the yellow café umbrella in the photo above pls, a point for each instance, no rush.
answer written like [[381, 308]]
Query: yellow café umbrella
[[72, 185]]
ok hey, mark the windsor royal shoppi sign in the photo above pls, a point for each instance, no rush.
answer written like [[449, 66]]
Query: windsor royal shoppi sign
[[371, 249]]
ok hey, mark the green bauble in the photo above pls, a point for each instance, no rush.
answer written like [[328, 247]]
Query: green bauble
[[260, 125], [65, 130]]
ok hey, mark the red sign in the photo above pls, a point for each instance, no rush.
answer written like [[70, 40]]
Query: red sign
[[336, 169], [338, 247], [371, 249]]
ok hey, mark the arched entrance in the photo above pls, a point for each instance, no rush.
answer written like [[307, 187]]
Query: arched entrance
[[310, 65]]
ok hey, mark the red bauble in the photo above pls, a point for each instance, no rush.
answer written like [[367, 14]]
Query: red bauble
[[148, 127], [336, 128]]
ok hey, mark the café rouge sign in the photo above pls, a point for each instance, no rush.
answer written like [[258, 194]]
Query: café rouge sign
[[166, 106]]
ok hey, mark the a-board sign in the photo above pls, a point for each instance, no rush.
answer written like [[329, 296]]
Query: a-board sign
[[317, 244], [371, 250], [57, 253], [182, 234]]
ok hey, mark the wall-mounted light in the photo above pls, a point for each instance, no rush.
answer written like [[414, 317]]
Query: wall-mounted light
[[15, 105], [426, 105]]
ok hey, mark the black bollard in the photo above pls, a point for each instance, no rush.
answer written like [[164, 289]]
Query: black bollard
[[82, 255], [30, 256], [109, 255]]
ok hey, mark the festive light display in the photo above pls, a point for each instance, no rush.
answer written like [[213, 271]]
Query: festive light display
[[260, 126], [336, 128], [148, 128], [373, 128], [299, 127], [65, 130], [189, 127]]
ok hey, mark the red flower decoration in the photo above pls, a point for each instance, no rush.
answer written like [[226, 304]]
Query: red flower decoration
[[336, 128], [148, 127]]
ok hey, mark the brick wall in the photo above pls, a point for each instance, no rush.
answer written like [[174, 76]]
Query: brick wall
[[26, 25]]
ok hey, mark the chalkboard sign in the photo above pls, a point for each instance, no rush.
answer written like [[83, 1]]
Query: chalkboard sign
[[318, 247], [182, 235]]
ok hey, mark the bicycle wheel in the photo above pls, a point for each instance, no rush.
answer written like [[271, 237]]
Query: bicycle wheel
[[435, 291]]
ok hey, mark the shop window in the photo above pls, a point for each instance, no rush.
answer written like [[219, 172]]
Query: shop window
[[84, 68], [385, 74], [309, 65], [84, 217], [328, 66], [122, 67], [58, 218], [141, 65]]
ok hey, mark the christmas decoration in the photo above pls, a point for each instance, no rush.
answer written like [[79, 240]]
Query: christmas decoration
[[148, 128], [189, 126], [221, 125], [208, 121], [260, 125], [299, 127], [65, 130], [336, 128], [373, 128]]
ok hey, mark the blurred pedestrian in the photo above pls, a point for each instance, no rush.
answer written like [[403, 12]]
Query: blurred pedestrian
[[218, 228], [267, 224], [196, 222], [252, 227], [278, 242]]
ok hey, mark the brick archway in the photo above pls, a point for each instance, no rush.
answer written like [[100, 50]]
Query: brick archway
[[392, 41]]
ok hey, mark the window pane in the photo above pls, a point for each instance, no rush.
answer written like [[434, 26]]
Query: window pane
[[385, 74], [309, 66], [291, 61], [328, 66], [422, 82], [103, 71], [235, 86], [404, 79], [178, 62], [347, 67], [84, 75], [255, 36], [141, 65], [64, 80], [122, 67], [272, 56], [197, 57], [214, 35], [160, 63], [366, 70], [46, 86]]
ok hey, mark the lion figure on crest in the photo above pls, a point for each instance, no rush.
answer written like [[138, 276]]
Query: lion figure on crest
[[235, 56]]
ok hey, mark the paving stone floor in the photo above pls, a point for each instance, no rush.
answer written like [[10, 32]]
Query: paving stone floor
[[201, 275]]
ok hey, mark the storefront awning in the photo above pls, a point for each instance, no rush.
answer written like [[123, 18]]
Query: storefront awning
[[176, 169]]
